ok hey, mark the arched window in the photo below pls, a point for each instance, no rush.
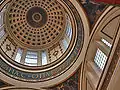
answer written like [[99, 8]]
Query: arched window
[[19, 55], [31, 58], [106, 42], [100, 59], [65, 44], [1, 18], [44, 58], [2, 33], [69, 30]]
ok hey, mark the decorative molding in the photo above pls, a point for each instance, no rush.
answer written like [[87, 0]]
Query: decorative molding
[[8, 47], [72, 83], [56, 53], [112, 67], [55, 72]]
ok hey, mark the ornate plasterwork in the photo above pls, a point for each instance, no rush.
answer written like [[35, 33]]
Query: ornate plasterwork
[[112, 67], [35, 24], [56, 71]]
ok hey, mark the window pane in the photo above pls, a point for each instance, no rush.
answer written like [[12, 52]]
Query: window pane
[[100, 59], [44, 58], [68, 28], [2, 33], [31, 58], [106, 42], [19, 54], [1, 18], [69, 31], [65, 44]]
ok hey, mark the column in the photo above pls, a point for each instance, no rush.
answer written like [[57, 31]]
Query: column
[[23, 56], [39, 62]]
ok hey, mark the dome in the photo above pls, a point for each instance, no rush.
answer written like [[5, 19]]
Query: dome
[[41, 40], [59, 45], [35, 24], [41, 30]]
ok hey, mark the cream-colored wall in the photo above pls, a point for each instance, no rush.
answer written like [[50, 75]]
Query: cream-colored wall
[[106, 27], [89, 87], [115, 81]]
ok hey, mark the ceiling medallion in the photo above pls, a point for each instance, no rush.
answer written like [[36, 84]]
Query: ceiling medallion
[[36, 17]]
